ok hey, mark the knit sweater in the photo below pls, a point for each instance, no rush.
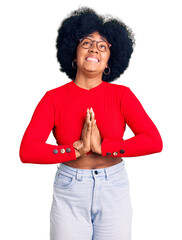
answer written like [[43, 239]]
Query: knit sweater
[[62, 110]]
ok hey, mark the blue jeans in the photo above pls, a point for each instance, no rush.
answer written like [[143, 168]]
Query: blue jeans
[[91, 204]]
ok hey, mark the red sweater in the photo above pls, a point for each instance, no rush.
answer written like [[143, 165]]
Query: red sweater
[[63, 111]]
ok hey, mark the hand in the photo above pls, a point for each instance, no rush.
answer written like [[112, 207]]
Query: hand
[[86, 132], [95, 140]]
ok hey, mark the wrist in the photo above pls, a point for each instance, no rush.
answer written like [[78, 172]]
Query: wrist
[[77, 153], [86, 150], [83, 152], [97, 150]]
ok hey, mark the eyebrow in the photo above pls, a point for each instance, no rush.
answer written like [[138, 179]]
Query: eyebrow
[[90, 35]]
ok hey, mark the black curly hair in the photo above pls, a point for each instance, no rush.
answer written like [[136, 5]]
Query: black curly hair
[[85, 21]]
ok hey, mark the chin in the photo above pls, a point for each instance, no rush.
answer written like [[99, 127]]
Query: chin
[[91, 69]]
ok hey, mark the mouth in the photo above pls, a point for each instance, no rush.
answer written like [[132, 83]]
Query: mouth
[[92, 59]]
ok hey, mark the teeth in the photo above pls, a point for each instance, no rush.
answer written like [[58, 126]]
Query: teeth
[[92, 59]]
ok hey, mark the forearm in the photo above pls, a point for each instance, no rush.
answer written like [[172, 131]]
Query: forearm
[[139, 145], [33, 148], [39, 152]]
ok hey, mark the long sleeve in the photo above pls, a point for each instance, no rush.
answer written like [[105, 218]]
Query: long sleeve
[[147, 139], [33, 148]]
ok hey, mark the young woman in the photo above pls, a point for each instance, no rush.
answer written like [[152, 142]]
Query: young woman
[[88, 115]]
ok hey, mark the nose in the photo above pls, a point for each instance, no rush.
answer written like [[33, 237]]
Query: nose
[[93, 48]]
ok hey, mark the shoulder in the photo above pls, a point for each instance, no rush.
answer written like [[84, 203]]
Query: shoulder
[[118, 89], [58, 91]]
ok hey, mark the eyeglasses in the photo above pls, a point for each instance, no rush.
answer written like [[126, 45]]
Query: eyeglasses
[[87, 43]]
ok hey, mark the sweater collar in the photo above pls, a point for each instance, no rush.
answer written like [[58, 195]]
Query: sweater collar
[[87, 91]]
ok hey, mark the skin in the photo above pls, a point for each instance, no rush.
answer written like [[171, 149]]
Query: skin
[[89, 75], [91, 134]]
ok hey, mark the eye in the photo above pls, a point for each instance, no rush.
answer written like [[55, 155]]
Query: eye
[[86, 43], [103, 46]]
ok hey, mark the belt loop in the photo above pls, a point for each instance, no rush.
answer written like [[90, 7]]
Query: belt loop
[[79, 175], [58, 166], [106, 174]]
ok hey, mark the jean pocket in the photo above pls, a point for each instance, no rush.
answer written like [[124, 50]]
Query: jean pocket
[[120, 179], [63, 180]]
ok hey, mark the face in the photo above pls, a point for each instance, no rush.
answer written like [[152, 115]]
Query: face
[[92, 60]]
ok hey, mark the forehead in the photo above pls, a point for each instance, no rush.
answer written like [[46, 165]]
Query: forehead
[[96, 35]]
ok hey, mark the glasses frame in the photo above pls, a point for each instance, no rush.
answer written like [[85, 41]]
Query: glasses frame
[[81, 39]]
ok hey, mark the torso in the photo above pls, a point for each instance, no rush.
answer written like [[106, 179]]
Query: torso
[[93, 161]]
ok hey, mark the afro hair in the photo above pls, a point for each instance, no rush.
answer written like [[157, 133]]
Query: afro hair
[[85, 21]]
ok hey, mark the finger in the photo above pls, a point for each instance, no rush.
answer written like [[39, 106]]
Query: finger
[[92, 116], [88, 120], [92, 111], [89, 126], [93, 127], [88, 116], [93, 122], [88, 131], [88, 112]]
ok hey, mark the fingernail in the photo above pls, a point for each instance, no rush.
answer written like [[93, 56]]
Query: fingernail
[[92, 111]]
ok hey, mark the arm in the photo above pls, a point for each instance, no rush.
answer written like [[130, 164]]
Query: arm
[[33, 148], [147, 139]]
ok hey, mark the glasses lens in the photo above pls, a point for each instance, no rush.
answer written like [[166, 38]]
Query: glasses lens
[[86, 43], [103, 46]]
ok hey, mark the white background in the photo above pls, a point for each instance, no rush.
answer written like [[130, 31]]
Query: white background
[[29, 68]]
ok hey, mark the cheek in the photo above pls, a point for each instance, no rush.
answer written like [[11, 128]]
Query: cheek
[[80, 55], [105, 59], [108, 56], [77, 53]]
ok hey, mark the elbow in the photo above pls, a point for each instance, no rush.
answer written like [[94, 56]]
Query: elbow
[[161, 145], [154, 141], [23, 154], [158, 144]]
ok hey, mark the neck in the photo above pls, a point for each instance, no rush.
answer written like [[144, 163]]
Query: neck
[[87, 81]]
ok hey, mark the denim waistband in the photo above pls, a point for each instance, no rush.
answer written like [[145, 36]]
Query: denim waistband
[[90, 172]]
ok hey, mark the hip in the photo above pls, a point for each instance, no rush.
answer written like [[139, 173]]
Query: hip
[[93, 161]]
